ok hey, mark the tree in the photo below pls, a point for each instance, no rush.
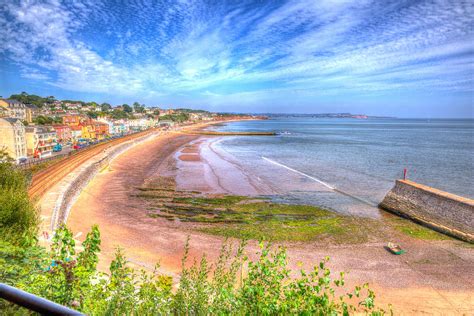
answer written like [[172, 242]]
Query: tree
[[117, 114], [29, 99], [5, 156], [105, 107], [127, 108], [138, 108], [50, 99], [43, 120], [92, 114]]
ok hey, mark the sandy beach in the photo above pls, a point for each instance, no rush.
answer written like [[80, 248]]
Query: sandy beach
[[433, 278]]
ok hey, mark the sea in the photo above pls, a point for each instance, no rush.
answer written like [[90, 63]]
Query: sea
[[348, 165]]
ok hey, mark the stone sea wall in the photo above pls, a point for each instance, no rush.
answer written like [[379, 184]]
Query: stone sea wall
[[447, 213], [72, 191]]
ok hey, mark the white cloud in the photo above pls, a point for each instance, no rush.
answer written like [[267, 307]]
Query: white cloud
[[169, 48]]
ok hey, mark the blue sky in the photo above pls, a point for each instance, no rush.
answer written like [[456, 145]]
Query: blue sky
[[403, 58]]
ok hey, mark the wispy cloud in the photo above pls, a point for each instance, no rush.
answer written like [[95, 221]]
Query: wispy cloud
[[246, 48]]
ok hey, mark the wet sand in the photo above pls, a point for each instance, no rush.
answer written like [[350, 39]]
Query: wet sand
[[433, 277]]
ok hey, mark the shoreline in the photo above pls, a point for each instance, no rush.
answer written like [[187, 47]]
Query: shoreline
[[108, 202]]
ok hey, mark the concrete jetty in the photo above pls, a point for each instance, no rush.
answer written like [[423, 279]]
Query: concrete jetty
[[442, 211]]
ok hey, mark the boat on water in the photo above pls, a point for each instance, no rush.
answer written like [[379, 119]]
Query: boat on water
[[395, 249]]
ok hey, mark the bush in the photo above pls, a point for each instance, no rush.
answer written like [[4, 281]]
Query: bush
[[235, 285], [18, 217]]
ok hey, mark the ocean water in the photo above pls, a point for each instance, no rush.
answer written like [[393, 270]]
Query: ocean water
[[349, 165]]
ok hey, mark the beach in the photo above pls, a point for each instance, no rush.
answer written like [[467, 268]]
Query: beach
[[432, 277]]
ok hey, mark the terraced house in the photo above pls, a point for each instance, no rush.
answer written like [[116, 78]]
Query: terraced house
[[14, 108], [12, 137], [40, 141]]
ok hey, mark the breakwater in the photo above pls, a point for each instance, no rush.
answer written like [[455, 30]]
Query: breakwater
[[442, 211]]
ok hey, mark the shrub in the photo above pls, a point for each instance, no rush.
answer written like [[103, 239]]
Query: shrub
[[234, 285], [18, 217]]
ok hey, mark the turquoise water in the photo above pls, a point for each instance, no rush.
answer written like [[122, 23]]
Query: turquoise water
[[360, 159]]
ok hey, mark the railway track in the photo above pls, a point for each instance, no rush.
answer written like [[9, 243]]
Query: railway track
[[45, 179]]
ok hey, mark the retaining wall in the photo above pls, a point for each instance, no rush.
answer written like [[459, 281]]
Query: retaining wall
[[71, 192], [445, 212]]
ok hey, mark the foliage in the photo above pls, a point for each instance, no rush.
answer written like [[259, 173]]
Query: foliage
[[138, 108], [92, 114], [5, 156], [105, 107], [32, 99], [118, 114], [18, 218], [193, 111], [175, 117], [46, 120], [234, 285], [127, 108]]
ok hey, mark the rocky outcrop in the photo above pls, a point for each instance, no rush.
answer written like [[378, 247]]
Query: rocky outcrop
[[445, 212]]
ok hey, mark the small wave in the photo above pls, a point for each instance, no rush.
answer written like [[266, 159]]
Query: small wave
[[321, 182]]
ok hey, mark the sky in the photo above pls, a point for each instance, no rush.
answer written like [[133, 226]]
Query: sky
[[403, 58]]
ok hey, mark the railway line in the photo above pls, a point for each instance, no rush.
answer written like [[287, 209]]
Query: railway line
[[45, 179]]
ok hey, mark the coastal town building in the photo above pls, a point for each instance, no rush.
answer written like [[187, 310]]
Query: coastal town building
[[141, 124], [75, 126], [12, 137], [102, 129], [63, 133], [88, 131], [40, 140], [3, 112], [92, 129], [32, 112], [72, 120], [76, 132], [15, 109]]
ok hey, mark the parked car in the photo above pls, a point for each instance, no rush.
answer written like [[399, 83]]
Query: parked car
[[22, 160], [57, 148]]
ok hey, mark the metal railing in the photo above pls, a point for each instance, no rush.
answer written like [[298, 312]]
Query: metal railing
[[33, 302]]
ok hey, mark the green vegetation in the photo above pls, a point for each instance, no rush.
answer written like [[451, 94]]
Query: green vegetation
[[105, 107], [251, 218], [138, 108], [47, 120], [92, 114], [127, 108], [32, 99], [235, 284], [175, 117], [117, 114], [18, 218], [5, 156], [259, 219], [416, 231]]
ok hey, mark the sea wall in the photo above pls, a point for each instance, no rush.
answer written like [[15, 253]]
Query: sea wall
[[71, 191], [445, 212]]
